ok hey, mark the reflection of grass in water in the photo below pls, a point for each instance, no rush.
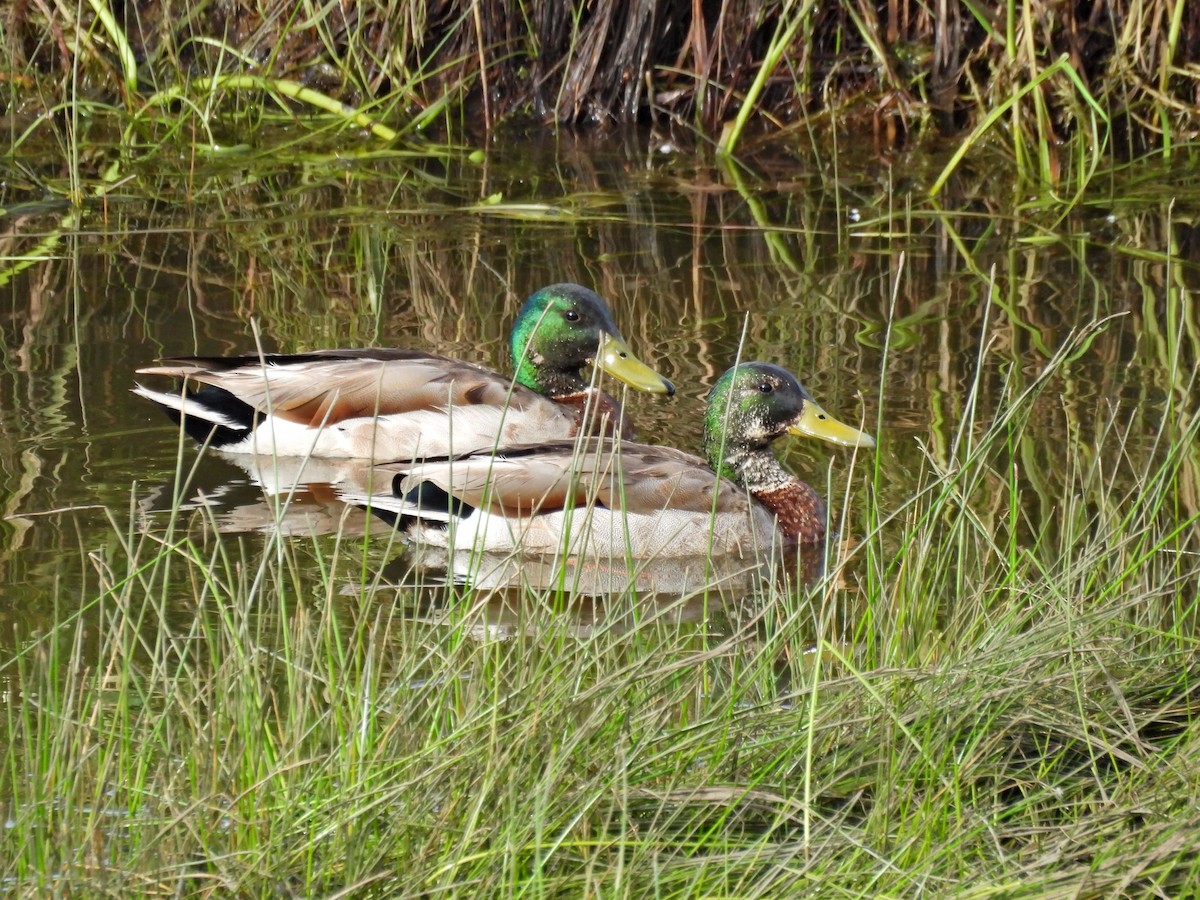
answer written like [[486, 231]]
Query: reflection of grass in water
[[957, 702]]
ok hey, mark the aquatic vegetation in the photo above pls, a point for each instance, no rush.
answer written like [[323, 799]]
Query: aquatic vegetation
[[948, 703]]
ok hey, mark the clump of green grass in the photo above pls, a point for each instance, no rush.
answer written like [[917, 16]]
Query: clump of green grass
[[975, 696]]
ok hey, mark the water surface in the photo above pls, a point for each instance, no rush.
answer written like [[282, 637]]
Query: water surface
[[917, 319]]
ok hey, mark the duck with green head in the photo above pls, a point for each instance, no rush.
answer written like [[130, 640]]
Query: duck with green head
[[408, 404], [608, 498]]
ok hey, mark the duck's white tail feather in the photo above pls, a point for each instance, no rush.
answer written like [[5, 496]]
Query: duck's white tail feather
[[186, 405], [397, 506]]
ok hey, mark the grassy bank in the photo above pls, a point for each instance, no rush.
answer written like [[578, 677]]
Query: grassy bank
[[980, 698], [1054, 86]]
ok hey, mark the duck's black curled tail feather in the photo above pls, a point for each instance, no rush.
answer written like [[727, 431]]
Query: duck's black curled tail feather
[[211, 414], [424, 505], [432, 500]]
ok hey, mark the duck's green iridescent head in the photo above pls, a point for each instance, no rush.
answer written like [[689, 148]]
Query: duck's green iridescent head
[[754, 403], [565, 327]]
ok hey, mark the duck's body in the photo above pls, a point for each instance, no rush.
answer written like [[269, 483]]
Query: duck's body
[[406, 404], [605, 498], [393, 404]]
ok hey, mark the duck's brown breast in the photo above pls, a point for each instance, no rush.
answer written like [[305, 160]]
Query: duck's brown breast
[[799, 511]]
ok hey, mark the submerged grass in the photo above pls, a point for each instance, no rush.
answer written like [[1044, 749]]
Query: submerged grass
[[976, 699]]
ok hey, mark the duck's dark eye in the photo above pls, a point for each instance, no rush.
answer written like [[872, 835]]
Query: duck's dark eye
[[571, 315], [765, 387]]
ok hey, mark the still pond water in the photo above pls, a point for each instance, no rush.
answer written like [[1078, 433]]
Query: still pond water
[[887, 306]]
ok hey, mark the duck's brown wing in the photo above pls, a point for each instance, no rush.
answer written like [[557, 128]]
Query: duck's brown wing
[[657, 478], [331, 386], [544, 478]]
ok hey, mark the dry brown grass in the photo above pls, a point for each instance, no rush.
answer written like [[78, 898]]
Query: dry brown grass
[[903, 68]]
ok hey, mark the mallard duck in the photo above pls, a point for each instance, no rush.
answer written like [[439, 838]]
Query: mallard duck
[[608, 498], [406, 404]]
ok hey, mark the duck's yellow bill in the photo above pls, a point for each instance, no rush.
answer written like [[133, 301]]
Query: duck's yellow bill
[[814, 422], [615, 358]]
